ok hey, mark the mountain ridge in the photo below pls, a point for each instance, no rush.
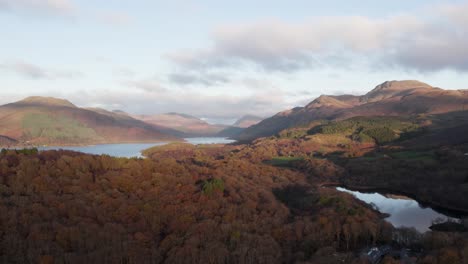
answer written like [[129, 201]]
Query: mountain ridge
[[407, 97], [44, 101]]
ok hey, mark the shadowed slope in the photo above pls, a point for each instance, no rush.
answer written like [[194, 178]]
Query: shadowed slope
[[247, 121], [185, 124]]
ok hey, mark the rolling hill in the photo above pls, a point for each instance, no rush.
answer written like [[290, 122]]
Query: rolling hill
[[391, 98], [46, 121]]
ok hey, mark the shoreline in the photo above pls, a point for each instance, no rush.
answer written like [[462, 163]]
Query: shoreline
[[58, 146], [20, 146], [438, 207]]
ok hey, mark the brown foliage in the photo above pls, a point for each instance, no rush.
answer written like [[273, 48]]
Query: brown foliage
[[61, 206]]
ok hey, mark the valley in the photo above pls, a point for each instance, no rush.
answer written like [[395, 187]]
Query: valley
[[46, 121], [265, 201], [233, 132]]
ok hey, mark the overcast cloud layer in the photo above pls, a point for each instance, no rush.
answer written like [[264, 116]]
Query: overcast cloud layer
[[191, 57]]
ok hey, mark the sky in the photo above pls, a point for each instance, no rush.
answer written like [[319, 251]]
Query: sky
[[220, 60]]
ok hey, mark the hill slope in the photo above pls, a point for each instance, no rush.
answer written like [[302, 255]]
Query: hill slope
[[230, 132], [40, 120], [392, 98], [186, 125], [239, 126], [247, 121], [6, 141]]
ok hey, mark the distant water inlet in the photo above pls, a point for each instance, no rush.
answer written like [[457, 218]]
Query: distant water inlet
[[116, 150], [133, 149], [209, 140], [403, 211]]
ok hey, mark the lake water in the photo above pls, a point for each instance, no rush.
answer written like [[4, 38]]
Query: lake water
[[209, 140], [134, 149], [403, 211]]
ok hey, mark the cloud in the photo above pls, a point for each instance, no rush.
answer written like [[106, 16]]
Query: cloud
[[31, 71], [155, 97], [26, 70], [425, 41], [215, 106], [198, 103], [206, 79], [56, 7]]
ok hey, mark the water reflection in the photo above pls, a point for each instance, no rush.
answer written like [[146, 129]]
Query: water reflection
[[134, 149], [115, 150], [403, 211], [209, 140]]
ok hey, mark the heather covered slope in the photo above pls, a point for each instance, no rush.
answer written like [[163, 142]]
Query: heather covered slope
[[40, 120], [391, 98]]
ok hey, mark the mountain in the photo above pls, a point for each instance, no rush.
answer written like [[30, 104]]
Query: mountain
[[393, 88], [45, 101], [391, 98], [239, 126], [247, 121], [186, 125], [230, 132], [45, 120], [125, 117]]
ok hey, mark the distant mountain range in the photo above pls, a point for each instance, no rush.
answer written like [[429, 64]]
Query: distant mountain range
[[43, 121], [391, 98], [190, 126], [247, 121], [239, 126], [51, 121], [186, 125]]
